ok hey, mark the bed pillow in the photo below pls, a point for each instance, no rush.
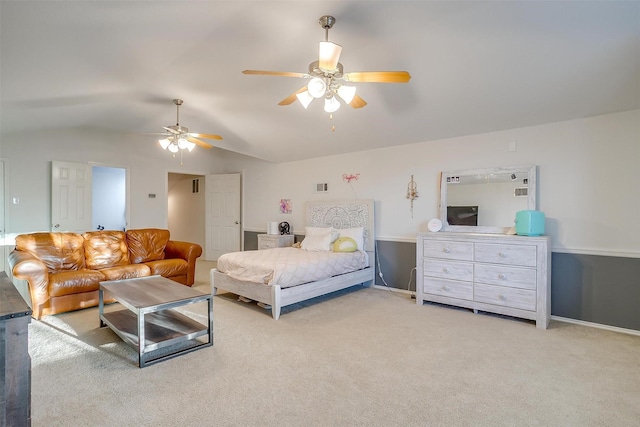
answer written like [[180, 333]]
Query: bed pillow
[[313, 231], [317, 242], [345, 244], [356, 234]]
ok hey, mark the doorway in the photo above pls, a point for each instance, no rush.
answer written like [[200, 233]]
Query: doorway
[[206, 210], [80, 202], [186, 207], [109, 198]]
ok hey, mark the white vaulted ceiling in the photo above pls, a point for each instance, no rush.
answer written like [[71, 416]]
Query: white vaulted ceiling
[[476, 66]]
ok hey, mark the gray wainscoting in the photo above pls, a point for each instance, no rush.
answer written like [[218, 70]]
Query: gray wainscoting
[[597, 289], [591, 288]]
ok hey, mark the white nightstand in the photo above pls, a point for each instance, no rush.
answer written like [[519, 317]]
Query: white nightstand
[[268, 241]]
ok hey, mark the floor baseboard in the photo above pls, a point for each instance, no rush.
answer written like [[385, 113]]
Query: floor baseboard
[[596, 325]]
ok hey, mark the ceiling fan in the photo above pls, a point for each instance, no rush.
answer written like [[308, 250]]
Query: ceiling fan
[[178, 137], [327, 77]]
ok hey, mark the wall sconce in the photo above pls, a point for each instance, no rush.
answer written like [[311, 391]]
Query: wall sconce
[[412, 192]]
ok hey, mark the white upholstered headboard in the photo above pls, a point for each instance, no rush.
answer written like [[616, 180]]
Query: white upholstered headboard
[[344, 214]]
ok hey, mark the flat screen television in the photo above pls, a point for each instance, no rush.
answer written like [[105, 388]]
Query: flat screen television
[[462, 215]]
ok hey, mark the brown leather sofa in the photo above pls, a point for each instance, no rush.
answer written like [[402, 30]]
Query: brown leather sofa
[[64, 270]]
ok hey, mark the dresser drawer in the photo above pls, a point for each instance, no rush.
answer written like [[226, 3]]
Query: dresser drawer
[[506, 254], [448, 250], [523, 299], [502, 275], [452, 270], [448, 288]]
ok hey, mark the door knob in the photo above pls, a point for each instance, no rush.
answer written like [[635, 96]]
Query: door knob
[[56, 226], [237, 222]]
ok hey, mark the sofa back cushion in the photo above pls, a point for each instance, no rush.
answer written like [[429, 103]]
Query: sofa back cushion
[[146, 244], [104, 249], [58, 251]]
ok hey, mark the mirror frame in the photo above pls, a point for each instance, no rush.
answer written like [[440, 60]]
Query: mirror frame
[[530, 170]]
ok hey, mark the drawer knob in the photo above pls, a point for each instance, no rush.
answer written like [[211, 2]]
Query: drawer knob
[[502, 254], [502, 297], [445, 270], [446, 250], [501, 276], [445, 288]]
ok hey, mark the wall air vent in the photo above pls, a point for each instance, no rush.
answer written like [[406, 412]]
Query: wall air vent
[[195, 186], [322, 187], [521, 192]]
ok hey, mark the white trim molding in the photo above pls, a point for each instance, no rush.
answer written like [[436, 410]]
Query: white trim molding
[[596, 325]]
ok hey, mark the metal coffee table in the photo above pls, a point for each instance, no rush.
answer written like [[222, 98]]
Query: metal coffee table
[[150, 322]]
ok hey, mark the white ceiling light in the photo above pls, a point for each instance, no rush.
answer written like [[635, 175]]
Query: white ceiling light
[[347, 93], [182, 143], [331, 104], [305, 98], [329, 56], [317, 87]]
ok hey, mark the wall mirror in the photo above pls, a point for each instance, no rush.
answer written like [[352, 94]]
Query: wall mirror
[[486, 200]]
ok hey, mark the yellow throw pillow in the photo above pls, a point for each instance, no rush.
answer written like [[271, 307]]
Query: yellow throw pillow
[[345, 244]]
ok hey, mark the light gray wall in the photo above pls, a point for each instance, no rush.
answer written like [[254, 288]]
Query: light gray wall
[[29, 157], [587, 181]]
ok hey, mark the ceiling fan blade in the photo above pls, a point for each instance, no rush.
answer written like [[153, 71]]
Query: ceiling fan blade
[[378, 77], [292, 98], [357, 102], [274, 73], [198, 142], [329, 56], [205, 135]]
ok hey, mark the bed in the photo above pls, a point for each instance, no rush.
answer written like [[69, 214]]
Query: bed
[[339, 215]]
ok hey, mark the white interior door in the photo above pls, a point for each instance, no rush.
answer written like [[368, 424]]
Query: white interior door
[[222, 215], [70, 197]]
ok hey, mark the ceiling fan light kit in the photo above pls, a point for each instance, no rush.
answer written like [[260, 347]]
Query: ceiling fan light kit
[[329, 56], [305, 98], [327, 76], [317, 87]]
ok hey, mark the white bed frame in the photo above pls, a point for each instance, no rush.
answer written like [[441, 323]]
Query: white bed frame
[[337, 214]]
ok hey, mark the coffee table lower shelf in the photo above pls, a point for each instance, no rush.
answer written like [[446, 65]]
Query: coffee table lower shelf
[[162, 329]]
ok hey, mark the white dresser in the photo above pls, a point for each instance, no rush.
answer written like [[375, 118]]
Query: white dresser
[[497, 273], [268, 241]]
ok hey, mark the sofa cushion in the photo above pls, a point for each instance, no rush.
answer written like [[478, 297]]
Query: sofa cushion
[[58, 251], [146, 244], [104, 249], [74, 282], [168, 267], [126, 272]]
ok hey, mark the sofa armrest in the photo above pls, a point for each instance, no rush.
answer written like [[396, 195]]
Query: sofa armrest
[[187, 251], [25, 266]]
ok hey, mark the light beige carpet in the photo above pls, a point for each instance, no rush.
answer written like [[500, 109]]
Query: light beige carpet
[[367, 357]]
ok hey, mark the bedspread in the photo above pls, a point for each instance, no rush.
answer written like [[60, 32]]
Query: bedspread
[[289, 266]]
